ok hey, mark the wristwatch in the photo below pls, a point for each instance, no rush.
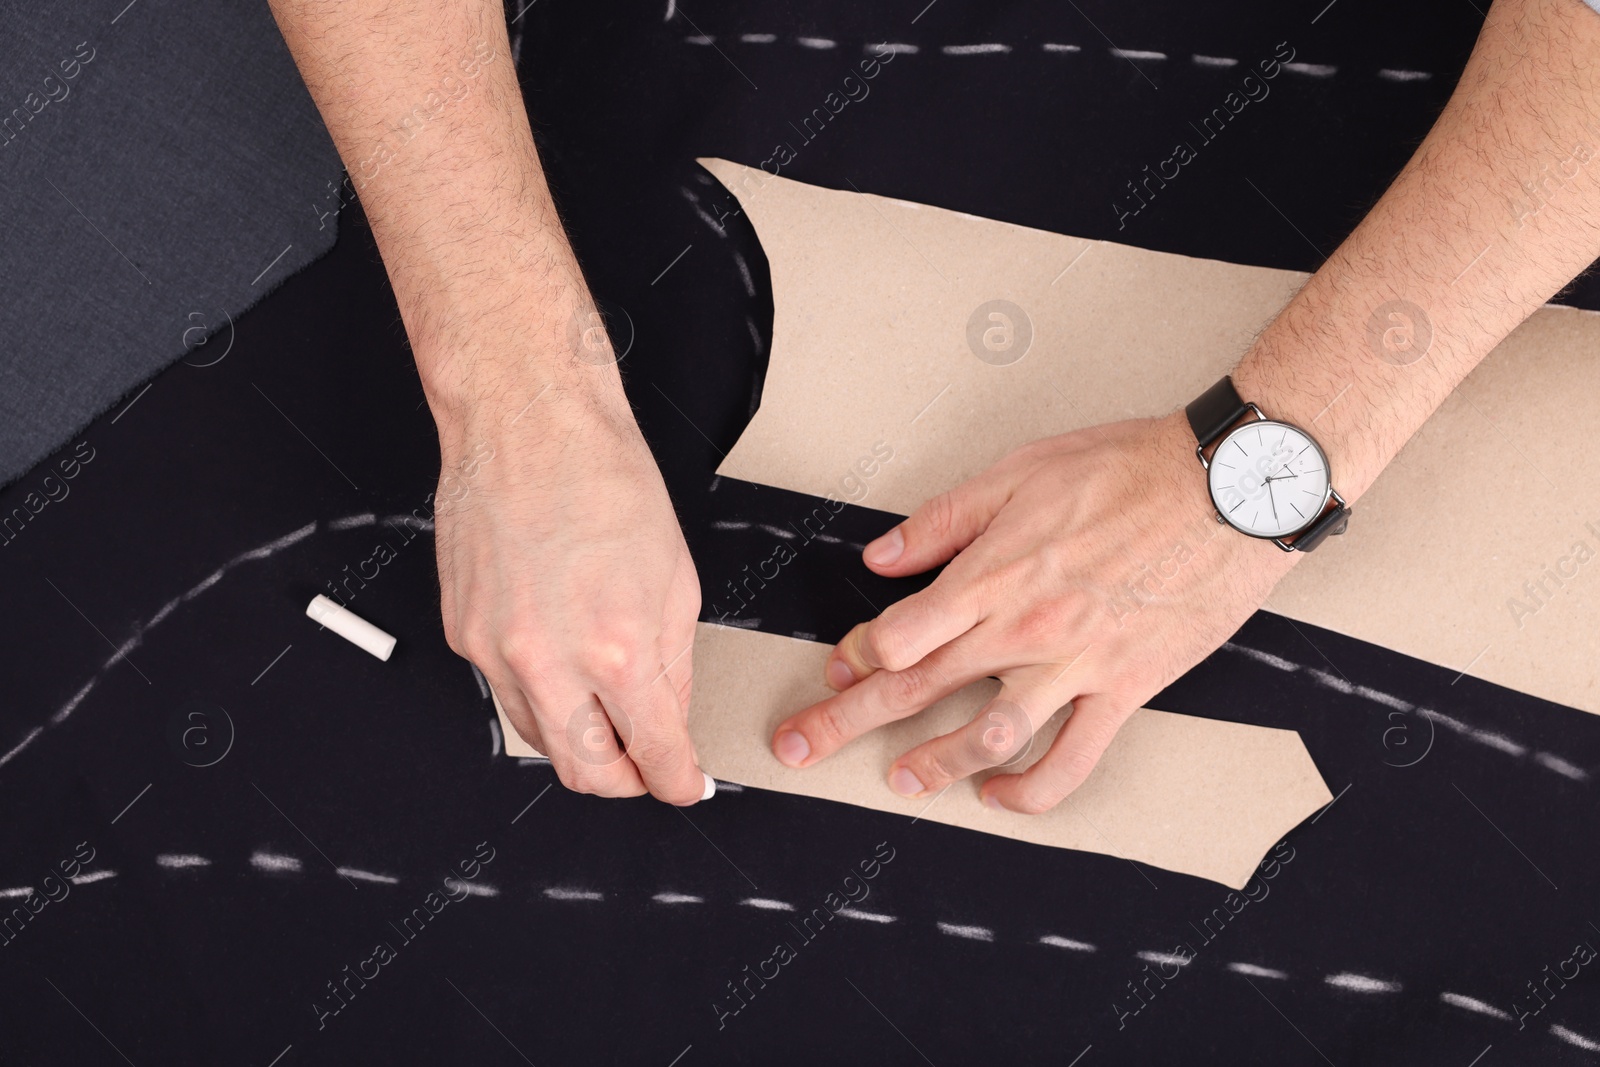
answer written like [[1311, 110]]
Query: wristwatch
[[1267, 479]]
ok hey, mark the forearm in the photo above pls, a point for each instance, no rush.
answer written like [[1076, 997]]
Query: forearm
[[1498, 209], [422, 102]]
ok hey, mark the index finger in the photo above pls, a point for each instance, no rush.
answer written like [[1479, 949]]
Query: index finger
[[655, 736]]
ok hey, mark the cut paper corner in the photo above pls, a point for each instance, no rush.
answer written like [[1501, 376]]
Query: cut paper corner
[[515, 746], [1197, 796]]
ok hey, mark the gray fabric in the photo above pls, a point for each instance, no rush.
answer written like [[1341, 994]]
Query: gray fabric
[[155, 158]]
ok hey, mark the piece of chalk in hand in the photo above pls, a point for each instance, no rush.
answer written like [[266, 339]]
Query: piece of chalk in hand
[[350, 626], [710, 789]]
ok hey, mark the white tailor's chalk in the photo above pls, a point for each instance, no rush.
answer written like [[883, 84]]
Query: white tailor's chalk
[[711, 787], [350, 626]]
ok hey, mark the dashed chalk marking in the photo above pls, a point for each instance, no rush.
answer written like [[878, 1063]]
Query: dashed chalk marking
[[1466, 1003], [1214, 61], [562, 893], [471, 889], [72, 705], [27, 739], [897, 49], [1499, 741], [975, 49], [1050, 46], [1390, 74], [1572, 1037], [92, 877], [864, 916], [971, 933], [1312, 70], [758, 38], [1257, 972], [274, 862], [744, 274], [729, 787], [818, 43], [1168, 958], [1263, 657], [766, 904], [366, 876], [13, 894], [353, 521], [699, 38], [677, 898], [1137, 53], [1361, 983], [181, 861], [1561, 766], [1056, 941]]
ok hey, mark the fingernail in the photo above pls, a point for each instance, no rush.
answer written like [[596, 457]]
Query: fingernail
[[905, 783], [992, 801], [840, 676], [711, 787], [886, 549], [792, 748]]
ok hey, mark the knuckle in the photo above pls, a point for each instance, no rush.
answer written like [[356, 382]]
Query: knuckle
[[1077, 763], [1036, 801], [907, 689], [830, 726], [937, 767], [888, 647], [939, 516]]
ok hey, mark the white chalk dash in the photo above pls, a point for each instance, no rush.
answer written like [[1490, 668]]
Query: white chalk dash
[[1050, 46], [352, 522], [1057, 941], [818, 43], [699, 38], [358, 875], [274, 862], [1473, 1004], [181, 861], [1263, 657], [1220, 62], [1170, 959], [758, 38], [1361, 983], [766, 904], [895, 49], [1392, 75], [971, 933], [1255, 971], [563, 893], [864, 916], [13, 894], [1561, 766], [92, 877], [1312, 70], [986, 49], [471, 889], [1572, 1037], [669, 897], [1137, 53]]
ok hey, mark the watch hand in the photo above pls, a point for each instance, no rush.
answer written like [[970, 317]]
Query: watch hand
[[1274, 501]]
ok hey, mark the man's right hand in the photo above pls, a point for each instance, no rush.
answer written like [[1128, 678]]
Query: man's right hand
[[564, 576]]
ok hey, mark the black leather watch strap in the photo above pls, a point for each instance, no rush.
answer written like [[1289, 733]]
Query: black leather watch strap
[[1214, 410], [1330, 522]]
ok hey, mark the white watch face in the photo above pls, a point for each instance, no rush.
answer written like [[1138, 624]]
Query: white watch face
[[1268, 479]]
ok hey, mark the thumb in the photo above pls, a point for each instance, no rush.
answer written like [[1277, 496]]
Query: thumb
[[939, 529]]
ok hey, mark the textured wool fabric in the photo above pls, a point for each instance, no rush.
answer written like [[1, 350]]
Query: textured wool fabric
[[162, 168]]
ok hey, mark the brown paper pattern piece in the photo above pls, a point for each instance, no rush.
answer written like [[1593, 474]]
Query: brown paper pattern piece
[[1476, 550]]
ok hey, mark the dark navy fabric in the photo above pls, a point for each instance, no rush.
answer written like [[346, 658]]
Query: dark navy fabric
[[290, 853]]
